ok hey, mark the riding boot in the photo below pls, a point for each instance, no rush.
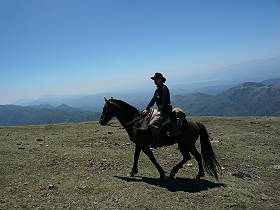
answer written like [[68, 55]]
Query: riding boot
[[168, 131]]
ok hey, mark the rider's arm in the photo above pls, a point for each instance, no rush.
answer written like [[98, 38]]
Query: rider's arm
[[152, 102]]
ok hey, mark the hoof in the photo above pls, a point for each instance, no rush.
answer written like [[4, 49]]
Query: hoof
[[133, 172], [198, 176], [163, 177], [172, 175]]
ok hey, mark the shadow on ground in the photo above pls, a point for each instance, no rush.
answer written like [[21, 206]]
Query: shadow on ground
[[175, 185]]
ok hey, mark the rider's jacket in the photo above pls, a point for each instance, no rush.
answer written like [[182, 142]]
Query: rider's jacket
[[162, 99]]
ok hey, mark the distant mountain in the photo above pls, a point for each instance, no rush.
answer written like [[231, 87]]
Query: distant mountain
[[41, 106], [247, 99], [271, 82], [218, 80], [191, 103], [211, 82], [43, 114], [256, 70], [93, 102], [215, 89]]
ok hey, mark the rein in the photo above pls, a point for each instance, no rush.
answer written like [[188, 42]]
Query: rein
[[127, 124], [138, 118]]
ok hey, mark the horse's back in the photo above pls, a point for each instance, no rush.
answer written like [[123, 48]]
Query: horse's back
[[193, 128]]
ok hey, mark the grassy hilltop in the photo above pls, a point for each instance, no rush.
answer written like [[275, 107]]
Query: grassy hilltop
[[85, 166]]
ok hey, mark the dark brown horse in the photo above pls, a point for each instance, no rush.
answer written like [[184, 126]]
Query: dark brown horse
[[129, 116]]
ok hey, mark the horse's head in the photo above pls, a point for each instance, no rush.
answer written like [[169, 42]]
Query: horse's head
[[119, 109], [107, 113]]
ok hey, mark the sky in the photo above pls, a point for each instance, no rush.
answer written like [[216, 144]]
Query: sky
[[68, 47]]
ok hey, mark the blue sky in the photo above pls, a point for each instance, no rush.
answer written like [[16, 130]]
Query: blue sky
[[87, 46]]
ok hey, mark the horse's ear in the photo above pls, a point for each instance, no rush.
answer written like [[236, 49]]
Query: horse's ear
[[106, 100]]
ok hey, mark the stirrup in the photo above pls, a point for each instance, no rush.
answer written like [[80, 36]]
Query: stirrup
[[168, 133]]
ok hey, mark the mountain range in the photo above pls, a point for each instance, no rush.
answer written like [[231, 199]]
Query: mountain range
[[43, 114], [246, 99], [209, 82]]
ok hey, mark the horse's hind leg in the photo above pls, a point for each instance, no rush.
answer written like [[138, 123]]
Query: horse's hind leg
[[197, 156], [186, 156]]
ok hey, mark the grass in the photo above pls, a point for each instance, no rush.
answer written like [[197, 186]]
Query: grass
[[85, 166]]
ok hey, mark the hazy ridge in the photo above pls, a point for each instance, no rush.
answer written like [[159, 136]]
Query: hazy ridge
[[246, 99], [43, 114]]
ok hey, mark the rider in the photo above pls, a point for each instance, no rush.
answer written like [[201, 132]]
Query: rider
[[162, 99]]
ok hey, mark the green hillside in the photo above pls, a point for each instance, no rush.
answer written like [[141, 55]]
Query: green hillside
[[85, 166], [247, 99], [43, 114]]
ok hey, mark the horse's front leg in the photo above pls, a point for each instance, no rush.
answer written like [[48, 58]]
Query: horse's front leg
[[151, 156], [135, 163]]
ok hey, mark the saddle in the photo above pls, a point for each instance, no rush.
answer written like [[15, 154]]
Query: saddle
[[177, 115], [146, 123], [180, 116]]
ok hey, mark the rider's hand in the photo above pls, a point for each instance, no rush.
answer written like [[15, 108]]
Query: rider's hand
[[144, 111]]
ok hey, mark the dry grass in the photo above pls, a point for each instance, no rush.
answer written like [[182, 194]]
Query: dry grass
[[85, 166]]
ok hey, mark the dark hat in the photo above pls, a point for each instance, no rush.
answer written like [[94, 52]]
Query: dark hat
[[158, 76]]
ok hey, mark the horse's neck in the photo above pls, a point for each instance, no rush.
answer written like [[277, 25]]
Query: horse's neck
[[125, 116]]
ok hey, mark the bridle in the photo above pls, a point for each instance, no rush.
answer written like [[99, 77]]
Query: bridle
[[109, 103], [107, 109]]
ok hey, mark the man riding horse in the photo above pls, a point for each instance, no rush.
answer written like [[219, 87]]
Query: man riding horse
[[162, 98]]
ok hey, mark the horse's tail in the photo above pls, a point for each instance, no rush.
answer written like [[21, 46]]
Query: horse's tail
[[209, 158]]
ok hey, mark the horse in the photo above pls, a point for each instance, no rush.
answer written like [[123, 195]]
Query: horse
[[128, 116]]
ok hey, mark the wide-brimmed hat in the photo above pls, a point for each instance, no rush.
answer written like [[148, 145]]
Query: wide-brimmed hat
[[158, 76]]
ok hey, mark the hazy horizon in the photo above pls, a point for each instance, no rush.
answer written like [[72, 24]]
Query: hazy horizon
[[88, 47]]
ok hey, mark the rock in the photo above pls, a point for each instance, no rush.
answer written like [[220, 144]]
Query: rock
[[50, 187], [189, 165], [109, 132], [215, 141], [241, 174], [226, 165], [81, 187], [276, 167], [39, 139], [21, 148], [265, 197]]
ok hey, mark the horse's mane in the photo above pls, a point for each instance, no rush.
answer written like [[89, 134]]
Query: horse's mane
[[125, 105]]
